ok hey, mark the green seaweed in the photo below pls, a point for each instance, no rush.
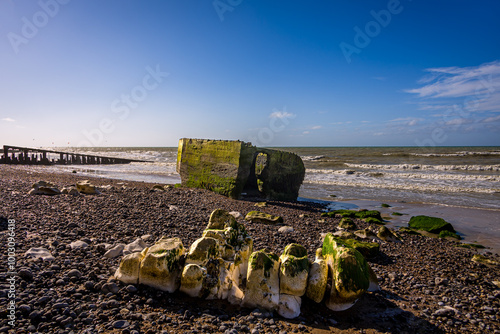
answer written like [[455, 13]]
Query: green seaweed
[[430, 224], [471, 246], [444, 234]]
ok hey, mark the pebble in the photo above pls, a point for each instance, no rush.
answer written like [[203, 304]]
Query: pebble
[[120, 324]]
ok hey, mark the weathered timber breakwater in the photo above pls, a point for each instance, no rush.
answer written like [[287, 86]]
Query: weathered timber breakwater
[[427, 285], [34, 156]]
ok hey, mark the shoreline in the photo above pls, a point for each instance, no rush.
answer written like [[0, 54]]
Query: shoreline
[[471, 230], [419, 277]]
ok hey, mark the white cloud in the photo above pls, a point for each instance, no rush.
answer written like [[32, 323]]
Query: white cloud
[[409, 121], [459, 121], [8, 119], [475, 88], [305, 132], [316, 127], [281, 114], [491, 119]]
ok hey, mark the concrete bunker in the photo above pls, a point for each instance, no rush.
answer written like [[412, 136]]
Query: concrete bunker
[[233, 168]]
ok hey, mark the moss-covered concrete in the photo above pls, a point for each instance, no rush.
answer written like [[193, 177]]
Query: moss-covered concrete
[[367, 249], [430, 224], [227, 167], [221, 166], [294, 270], [349, 270], [347, 224], [279, 174], [263, 218]]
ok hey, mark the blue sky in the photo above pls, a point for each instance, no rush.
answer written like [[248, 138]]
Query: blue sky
[[282, 73]]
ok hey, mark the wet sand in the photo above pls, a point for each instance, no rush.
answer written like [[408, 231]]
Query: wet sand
[[480, 226]]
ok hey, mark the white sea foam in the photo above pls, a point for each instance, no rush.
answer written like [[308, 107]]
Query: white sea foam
[[494, 168]]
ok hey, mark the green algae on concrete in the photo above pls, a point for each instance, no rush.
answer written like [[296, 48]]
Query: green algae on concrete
[[471, 246], [264, 218], [279, 174], [262, 289], [221, 166], [294, 270], [227, 167], [318, 278], [349, 270], [347, 224], [160, 268], [430, 224], [367, 249], [448, 234]]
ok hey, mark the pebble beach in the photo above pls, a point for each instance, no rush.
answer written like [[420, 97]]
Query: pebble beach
[[427, 285]]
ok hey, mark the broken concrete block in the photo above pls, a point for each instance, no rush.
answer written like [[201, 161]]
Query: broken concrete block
[[350, 273], [294, 269], [262, 281], [289, 306], [128, 271], [192, 279], [318, 278], [161, 266], [202, 250]]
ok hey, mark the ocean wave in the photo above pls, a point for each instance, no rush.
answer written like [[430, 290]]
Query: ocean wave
[[404, 175], [312, 157], [400, 184], [488, 168], [456, 154]]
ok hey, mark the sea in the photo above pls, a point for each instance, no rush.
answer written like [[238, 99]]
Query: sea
[[460, 184]]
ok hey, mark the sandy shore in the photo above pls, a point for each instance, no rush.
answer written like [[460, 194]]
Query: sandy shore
[[419, 277]]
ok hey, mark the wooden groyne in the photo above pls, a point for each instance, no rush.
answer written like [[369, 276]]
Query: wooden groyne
[[35, 156]]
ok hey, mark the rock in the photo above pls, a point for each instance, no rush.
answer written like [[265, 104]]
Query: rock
[[26, 274], [294, 270], [159, 187], [285, 229], [387, 234], [115, 251], [220, 219], [71, 190], [318, 278], [430, 224], [478, 258], [79, 244], [137, 246], [347, 224], [203, 250], [225, 167], [444, 312], [263, 218], [74, 273], [262, 281], [192, 279], [146, 237], [120, 324], [44, 188], [39, 253], [350, 273], [367, 249], [236, 214], [289, 306], [86, 187], [365, 234], [128, 271], [161, 267], [343, 234]]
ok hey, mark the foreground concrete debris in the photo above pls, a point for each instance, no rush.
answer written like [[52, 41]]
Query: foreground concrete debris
[[222, 265], [231, 168]]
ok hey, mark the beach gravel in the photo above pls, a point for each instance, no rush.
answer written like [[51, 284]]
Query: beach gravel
[[427, 285]]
